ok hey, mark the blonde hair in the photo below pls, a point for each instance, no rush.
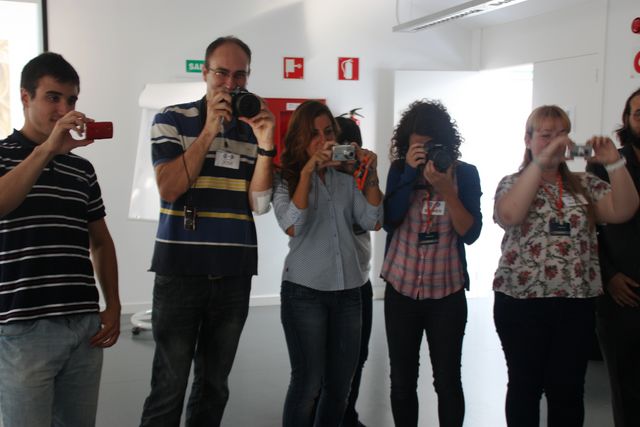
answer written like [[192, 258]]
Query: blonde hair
[[570, 179]]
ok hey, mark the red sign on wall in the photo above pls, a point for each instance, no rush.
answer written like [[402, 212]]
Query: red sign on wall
[[636, 62], [293, 68], [348, 68]]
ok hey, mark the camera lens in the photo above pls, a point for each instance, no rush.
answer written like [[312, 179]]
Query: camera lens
[[440, 157], [245, 104]]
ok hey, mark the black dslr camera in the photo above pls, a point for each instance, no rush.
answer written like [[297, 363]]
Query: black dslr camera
[[244, 103], [440, 155]]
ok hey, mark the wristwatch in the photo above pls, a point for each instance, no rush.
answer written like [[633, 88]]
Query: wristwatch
[[267, 153]]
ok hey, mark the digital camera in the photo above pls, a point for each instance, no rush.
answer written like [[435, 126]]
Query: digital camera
[[99, 130], [581, 150], [440, 155], [343, 153], [244, 103]]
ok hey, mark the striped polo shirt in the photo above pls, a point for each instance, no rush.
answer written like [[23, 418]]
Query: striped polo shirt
[[224, 242], [45, 269]]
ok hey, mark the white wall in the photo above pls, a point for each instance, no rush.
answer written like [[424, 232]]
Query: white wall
[[119, 45], [563, 33], [620, 78]]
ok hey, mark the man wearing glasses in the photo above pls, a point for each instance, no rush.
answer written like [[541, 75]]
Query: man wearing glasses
[[213, 169]]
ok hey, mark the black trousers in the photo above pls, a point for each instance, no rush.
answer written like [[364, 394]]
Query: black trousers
[[619, 336], [443, 320], [546, 343]]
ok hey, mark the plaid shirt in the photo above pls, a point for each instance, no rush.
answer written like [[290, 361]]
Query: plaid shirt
[[422, 271]]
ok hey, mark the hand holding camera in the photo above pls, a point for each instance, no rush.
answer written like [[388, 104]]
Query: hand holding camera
[[218, 109], [321, 158], [416, 154], [553, 153], [74, 130], [604, 150]]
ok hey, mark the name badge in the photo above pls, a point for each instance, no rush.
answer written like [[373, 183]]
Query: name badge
[[559, 228], [224, 159], [437, 207], [428, 238]]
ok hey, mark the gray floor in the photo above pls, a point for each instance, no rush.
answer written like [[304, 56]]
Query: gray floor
[[260, 376]]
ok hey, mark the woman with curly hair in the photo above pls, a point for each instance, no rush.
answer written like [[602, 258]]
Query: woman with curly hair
[[549, 274], [317, 206], [432, 209]]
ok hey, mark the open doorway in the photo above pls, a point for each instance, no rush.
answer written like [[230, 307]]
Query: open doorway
[[490, 108], [21, 38]]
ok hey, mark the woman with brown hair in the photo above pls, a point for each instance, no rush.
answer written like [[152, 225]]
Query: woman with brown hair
[[316, 205], [549, 274]]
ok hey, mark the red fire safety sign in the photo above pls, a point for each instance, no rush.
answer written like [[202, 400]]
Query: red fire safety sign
[[293, 68], [348, 68]]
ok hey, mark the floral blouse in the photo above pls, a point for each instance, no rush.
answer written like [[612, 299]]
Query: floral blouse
[[536, 263]]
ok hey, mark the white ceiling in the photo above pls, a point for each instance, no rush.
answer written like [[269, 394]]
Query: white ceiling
[[413, 9]]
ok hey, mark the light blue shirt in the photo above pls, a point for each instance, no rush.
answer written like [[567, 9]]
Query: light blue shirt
[[322, 253]]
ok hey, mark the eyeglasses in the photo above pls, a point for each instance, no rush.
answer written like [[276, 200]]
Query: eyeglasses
[[223, 74]]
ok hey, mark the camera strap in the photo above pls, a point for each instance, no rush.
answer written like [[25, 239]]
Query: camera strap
[[361, 173]]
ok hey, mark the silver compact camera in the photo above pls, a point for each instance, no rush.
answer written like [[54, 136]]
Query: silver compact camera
[[343, 153], [581, 150]]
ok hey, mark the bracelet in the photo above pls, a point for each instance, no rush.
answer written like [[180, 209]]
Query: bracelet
[[616, 165], [267, 153]]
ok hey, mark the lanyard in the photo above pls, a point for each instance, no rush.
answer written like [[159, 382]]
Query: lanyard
[[559, 204], [361, 173], [429, 209]]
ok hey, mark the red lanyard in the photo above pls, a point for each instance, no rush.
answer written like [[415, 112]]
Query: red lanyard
[[361, 173], [429, 208], [559, 204]]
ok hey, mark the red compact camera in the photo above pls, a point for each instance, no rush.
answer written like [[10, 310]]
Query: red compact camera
[[98, 130]]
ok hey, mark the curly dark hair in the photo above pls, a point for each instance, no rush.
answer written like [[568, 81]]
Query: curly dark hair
[[297, 139], [427, 118]]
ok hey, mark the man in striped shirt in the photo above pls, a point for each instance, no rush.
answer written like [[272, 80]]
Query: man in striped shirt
[[52, 236], [213, 169]]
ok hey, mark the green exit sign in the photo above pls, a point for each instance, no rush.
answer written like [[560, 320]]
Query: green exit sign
[[194, 66]]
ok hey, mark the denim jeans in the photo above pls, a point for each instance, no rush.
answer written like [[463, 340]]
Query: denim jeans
[[197, 319], [322, 330], [443, 320], [350, 414], [546, 343], [49, 374]]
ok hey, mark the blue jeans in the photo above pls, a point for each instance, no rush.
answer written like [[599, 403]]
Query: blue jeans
[[197, 319], [49, 375], [443, 321], [546, 343], [322, 330]]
